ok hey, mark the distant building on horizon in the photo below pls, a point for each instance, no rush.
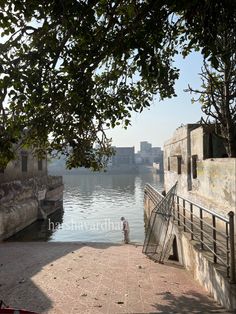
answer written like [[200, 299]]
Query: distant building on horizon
[[145, 147], [149, 155], [123, 156], [123, 161]]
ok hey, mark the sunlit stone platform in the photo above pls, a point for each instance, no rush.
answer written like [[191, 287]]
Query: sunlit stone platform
[[96, 278]]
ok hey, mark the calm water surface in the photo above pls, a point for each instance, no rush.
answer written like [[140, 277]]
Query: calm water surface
[[93, 205]]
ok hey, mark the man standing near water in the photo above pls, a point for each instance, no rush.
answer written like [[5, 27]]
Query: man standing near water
[[125, 229]]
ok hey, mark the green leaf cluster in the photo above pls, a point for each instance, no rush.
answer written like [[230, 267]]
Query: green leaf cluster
[[70, 69]]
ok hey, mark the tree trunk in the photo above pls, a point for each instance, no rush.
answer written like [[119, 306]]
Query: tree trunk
[[231, 142], [230, 126]]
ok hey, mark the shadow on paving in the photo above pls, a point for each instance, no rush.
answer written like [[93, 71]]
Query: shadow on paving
[[21, 261], [190, 302]]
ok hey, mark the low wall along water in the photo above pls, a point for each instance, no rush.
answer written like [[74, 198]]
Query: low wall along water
[[19, 203]]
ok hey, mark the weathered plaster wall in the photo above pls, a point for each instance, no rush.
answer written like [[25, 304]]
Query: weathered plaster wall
[[200, 264], [16, 216], [215, 184], [14, 171], [19, 206], [176, 146], [196, 143]]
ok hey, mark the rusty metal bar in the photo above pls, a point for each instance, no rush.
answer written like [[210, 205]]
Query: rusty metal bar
[[178, 211], [227, 248], [206, 210], [209, 248], [210, 239], [174, 210], [191, 218], [214, 238], [232, 247], [201, 228], [184, 213]]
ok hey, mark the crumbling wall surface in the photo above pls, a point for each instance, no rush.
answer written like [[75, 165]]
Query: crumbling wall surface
[[19, 205], [16, 216], [208, 181], [14, 191], [215, 184], [210, 275], [176, 146], [54, 181], [196, 143], [14, 171]]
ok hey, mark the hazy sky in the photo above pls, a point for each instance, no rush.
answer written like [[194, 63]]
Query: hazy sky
[[157, 124]]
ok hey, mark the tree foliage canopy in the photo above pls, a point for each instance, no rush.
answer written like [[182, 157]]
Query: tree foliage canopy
[[69, 69]]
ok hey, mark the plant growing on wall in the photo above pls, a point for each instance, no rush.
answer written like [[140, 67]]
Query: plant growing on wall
[[71, 69]]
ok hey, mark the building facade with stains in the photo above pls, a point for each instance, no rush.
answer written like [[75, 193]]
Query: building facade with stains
[[197, 159], [27, 193], [26, 165]]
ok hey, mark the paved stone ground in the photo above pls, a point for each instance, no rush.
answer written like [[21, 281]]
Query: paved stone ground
[[75, 278]]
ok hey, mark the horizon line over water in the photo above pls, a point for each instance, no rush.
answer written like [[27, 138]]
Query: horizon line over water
[[92, 207]]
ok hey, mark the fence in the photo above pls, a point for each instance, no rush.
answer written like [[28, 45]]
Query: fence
[[214, 232]]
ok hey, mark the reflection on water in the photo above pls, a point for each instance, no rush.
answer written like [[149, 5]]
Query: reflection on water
[[93, 205]]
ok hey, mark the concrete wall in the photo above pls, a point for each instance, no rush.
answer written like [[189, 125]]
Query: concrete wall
[[176, 146], [16, 216], [19, 206], [214, 186], [196, 143], [208, 274], [199, 263], [205, 144], [14, 171]]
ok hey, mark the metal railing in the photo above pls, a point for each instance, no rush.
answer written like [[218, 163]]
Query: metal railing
[[152, 194], [214, 232]]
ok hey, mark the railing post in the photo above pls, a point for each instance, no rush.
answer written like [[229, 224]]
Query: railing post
[[178, 211], [227, 248], [174, 203], [184, 213], [232, 247], [191, 218], [201, 228], [214, 237]]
